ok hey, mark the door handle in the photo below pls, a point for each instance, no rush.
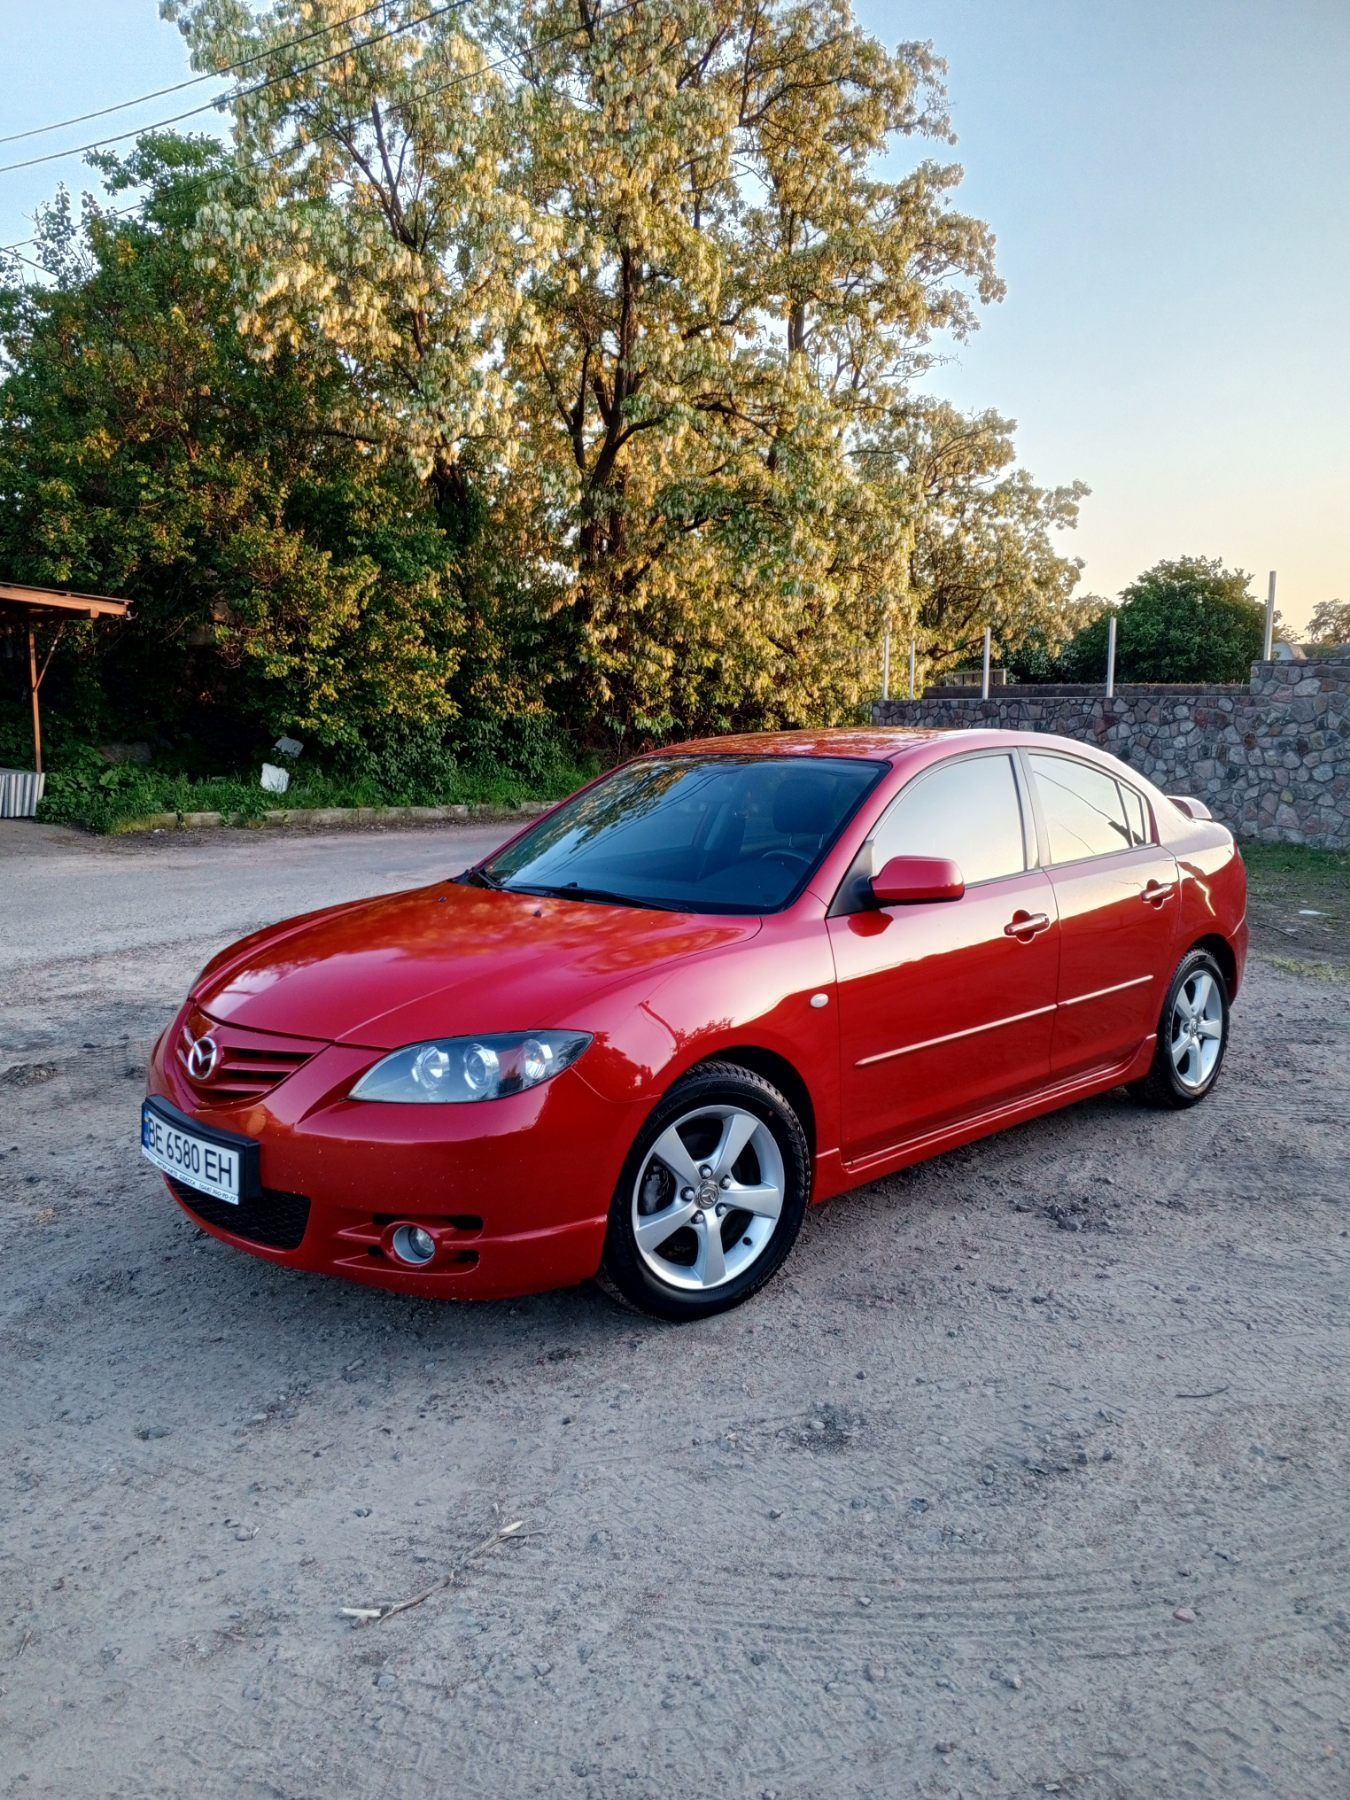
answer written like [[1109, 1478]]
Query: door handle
[[1024, 925], [1157, 893]]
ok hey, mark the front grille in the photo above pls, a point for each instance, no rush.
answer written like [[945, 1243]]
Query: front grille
[[251, 1063], [273, 1219]]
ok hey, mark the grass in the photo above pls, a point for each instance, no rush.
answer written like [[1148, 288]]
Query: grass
[[1315, 971], [1301, 863], [1298, 908]]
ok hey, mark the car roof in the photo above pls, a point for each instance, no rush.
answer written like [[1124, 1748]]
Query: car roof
[[877, 743]]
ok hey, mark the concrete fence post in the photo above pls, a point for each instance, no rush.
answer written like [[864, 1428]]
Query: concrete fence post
[[1268, 644]]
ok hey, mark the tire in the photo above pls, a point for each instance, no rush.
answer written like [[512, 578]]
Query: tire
[[1184, 1068], [737, 1127]]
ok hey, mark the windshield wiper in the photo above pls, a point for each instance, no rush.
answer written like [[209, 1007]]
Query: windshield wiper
[[573, 890], [478, 878]]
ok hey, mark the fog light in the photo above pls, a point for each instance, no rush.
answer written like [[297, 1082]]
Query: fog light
[[411, 1244]]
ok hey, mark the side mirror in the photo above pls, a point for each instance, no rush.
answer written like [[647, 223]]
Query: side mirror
[[908, 879]]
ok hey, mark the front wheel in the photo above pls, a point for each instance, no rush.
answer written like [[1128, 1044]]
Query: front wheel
[[711, 1198], [1192, 1036]]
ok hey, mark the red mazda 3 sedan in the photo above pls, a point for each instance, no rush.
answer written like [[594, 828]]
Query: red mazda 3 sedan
[[720, 983]]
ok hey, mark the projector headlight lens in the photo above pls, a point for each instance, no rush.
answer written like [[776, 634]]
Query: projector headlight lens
[[482, 1071], [454, 1071]]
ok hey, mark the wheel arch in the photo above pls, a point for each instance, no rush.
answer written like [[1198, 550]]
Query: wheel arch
[[773, 1067], [1222, 952]]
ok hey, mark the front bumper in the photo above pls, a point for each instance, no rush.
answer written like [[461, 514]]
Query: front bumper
[[516, 1191]]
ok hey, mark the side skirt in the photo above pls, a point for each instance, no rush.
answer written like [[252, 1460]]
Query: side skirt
[[834, 1176]]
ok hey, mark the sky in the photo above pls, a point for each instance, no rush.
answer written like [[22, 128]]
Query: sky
[[1169, 184]]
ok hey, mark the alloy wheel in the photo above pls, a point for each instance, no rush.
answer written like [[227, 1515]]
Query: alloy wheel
[[1196, 1029], [707, 1197]]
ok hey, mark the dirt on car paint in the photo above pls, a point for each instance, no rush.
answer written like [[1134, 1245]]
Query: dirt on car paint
[[1026, 1476]]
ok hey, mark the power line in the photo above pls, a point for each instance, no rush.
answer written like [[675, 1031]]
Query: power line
[[501, 62], [116, 212], [509, 59], [258, 87], [178, 87], [40, 267]]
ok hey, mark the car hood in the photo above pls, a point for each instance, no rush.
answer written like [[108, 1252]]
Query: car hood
[[445, 960]]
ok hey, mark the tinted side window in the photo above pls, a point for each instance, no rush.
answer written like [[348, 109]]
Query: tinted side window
[[968, 811], [1084, 812], [1135, 814]]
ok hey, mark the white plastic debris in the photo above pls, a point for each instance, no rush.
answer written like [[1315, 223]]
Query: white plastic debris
[[275, 780], [288, 746]]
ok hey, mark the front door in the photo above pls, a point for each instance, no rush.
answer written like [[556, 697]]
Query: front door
[[946, 1008]]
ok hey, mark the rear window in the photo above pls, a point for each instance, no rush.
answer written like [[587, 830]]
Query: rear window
[[692, 834], [1083, 808]]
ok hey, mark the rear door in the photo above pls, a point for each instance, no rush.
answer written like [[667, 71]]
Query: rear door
[[1117, 893], [946, 1008]]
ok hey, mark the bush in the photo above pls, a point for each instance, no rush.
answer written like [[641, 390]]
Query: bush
[[531, 745], [86, 791], [409, 768], [1187, 620]]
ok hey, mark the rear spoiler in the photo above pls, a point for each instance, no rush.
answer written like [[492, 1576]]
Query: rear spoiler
[[1193, 809]]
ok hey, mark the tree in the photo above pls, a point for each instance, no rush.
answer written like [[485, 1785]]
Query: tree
[[1185, 620], [981, 552], [279, 576], [1043, 657], [1329, 626], [627, 275]]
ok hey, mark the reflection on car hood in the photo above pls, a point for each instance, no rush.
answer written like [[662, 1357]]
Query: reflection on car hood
[[445, 960]]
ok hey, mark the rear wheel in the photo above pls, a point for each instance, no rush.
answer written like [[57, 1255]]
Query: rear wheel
[[711, 1198], [1192, 1036]]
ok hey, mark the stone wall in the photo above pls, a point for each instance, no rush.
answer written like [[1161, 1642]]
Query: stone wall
[[1271, 760]]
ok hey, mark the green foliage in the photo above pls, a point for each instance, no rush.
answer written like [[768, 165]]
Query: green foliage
[[529, 744], [1189, 620], [496, 763], [88, 792], [1329, 627], [517, 363], [635, 278], [280, 576], [1042, 656], [1307, 865], [406, 764], [103, 798], [982, 551]]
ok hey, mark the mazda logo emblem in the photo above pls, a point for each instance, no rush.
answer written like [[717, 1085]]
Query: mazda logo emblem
[[202, 1057]]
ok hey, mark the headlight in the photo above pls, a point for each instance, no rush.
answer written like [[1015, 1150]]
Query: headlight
[[450, 1071]]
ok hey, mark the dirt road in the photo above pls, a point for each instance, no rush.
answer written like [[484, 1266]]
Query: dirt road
[[1028, 1475]]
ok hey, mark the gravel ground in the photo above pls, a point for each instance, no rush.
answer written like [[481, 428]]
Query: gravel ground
[[1027, 1475]]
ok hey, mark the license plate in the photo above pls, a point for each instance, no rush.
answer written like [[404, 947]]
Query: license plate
[[211, 1162]]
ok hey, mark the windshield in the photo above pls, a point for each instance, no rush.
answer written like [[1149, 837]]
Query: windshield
[[740, 834]]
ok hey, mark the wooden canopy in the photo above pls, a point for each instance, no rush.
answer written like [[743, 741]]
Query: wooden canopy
[[35, 601], [26, 607]]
